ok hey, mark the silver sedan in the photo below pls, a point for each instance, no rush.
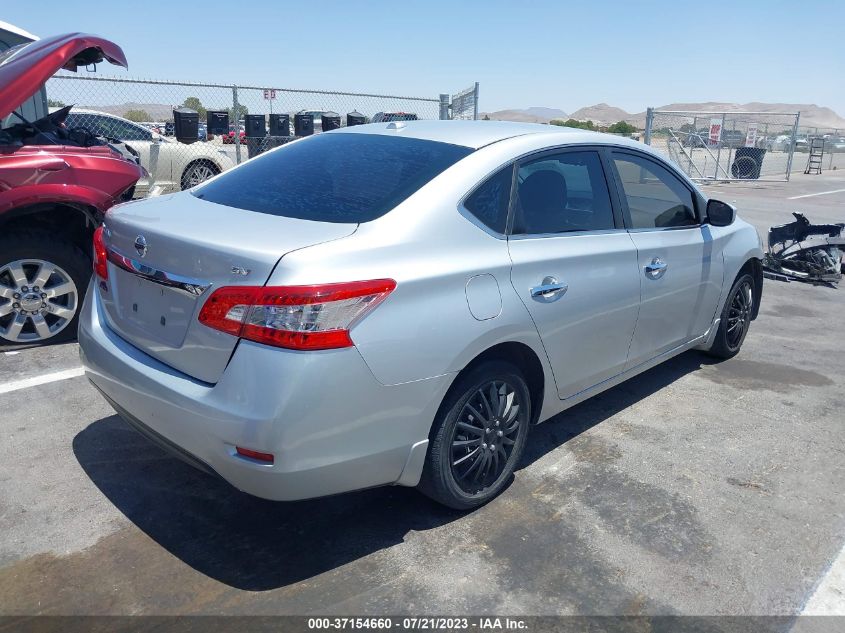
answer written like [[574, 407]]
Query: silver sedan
[[398, 303]]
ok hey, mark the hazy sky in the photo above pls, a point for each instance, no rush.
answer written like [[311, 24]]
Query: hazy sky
[[544, 53]]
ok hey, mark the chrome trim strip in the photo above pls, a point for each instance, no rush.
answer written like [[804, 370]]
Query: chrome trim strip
[[194, 287], [572, 233]]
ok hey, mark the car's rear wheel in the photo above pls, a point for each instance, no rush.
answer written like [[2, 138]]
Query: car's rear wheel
[[42, 283], [736, 318], [198, 172], [478, 437]]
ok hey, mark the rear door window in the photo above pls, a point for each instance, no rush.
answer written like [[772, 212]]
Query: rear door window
[[562, 193], [334, 177]]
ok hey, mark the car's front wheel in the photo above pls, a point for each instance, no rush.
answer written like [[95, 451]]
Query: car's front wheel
[[198, 172], [42, 282], [736, 318], [478, 436]]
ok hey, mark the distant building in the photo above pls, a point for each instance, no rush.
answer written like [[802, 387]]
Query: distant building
[[36, 106]]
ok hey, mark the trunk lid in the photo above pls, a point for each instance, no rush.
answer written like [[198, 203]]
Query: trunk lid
[[168, 254]]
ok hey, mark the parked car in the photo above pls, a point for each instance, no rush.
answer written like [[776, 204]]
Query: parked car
[[400, 316], [834, 144], [229, 139], [55, 187], [380, 117], [732, 138], [202, 132], [779, 143], [171, 165]]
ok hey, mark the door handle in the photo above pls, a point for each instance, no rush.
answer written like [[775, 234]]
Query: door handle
[[549, 289], [656, 269]]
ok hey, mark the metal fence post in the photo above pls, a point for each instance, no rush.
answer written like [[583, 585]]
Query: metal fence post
[[444, 107], [236, 116], [792, 146], [475, 103], [649, 121], [719, 152]]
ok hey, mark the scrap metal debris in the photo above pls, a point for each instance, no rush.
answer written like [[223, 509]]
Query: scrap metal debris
[[805, 252]]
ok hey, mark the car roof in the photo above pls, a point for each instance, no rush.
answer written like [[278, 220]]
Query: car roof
[[474, 134]]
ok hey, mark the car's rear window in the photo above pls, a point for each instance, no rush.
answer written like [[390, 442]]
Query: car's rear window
[[346, 178]]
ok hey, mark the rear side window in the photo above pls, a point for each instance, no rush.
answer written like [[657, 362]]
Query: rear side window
[[562, 193], [656, 198], [345, 178], [489, 203]]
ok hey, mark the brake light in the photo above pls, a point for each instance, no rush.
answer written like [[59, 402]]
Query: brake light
[[295, 317], [100, 255]]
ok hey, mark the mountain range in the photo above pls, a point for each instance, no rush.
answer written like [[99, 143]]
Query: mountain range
[[604, 114]]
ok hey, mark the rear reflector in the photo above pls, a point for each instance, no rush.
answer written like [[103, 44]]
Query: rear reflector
[[261, 457], [295, 317], [101, 268]]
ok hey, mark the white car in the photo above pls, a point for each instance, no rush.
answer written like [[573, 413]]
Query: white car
[[171, 165]]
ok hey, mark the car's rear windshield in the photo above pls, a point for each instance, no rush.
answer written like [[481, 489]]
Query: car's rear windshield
[[341, 177]]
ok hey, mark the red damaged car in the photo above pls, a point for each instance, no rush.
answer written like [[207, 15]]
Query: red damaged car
[[55, 186]]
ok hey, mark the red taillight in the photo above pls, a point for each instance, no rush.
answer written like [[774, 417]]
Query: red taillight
[[257, 455], [296, 317], [100, 255]]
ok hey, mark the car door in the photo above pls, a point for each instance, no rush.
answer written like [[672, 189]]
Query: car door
[[680, 265], [574, 266]]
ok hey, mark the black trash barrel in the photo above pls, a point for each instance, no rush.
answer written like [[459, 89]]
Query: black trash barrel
[[330, 121], [303, 124], [355, 118], [186, 125], [747, 163]]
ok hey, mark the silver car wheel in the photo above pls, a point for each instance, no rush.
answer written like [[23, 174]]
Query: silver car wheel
[[38, 299], [199, 173]]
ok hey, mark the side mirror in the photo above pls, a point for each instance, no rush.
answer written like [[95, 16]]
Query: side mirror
[[720, 213]]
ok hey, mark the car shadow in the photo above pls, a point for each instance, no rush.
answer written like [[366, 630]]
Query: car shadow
[[256, 545]]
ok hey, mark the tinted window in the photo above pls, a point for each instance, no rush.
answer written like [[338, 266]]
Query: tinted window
[[110, 127], [562, 193], [656, 198], [91, 122], [489, 203], [334, 177]]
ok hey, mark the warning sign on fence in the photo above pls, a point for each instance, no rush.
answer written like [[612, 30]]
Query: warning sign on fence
[[751, 135], [715, 131]]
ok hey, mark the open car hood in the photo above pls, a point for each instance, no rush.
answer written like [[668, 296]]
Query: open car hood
[[24, 71]]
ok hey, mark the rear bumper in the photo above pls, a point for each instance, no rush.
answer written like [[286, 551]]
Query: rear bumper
[[331, 426]]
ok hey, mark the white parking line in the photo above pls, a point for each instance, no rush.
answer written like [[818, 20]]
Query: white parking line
[[41, 380], [821, 193], [829, 596]]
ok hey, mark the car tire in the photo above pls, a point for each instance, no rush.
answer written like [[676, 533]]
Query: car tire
[[197, 172], [736, 318], [29, 251], [478, 439]]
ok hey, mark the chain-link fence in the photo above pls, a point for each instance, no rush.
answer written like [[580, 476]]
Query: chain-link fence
[[728, 145], [465, 104], [139, 114], [830, 140]]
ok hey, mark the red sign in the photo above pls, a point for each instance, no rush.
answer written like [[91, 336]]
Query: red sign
[[715, 131]]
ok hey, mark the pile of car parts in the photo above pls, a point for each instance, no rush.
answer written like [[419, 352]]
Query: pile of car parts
[[805, 252]]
